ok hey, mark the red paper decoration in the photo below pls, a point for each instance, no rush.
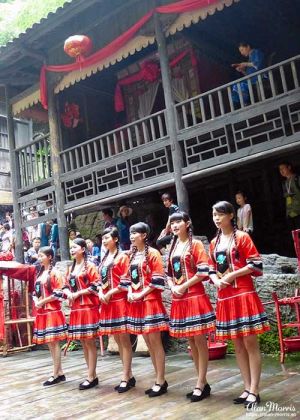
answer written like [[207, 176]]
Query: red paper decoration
[[71, 115], [78, 46]]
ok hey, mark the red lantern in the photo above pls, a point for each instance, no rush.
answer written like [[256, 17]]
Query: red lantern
[[78, 46]]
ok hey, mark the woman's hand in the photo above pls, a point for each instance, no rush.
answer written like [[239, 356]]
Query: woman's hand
[[178, 290], [39, 304], [132, 297], [105, 298], [73, 296]]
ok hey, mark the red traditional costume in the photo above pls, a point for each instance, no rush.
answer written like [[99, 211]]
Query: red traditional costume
[[50, 324], [239, 309], [113, 315], [148, 314], [84, 316], [192, 313]]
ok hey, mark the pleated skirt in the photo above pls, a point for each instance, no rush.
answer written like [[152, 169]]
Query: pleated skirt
[[113, 317], [240, 315], [147, 316], [49, 326], [84, 323], [191, 315]]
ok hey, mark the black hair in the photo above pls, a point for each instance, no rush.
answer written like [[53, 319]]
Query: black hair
[[167, 196], [108, 212], [6, 226], [225, 207], [48, 251], [242, 193], [287, 163], [36, 238], [141, 227], [81, 242], [244, 44], [177, 216]]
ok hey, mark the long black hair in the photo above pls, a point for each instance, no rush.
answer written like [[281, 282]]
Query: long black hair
[[48, 251], [176, 217], [224, 207]]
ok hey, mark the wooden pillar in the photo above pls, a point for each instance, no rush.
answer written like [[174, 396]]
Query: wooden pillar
[[181, 191], [15, 171], [56, 169]]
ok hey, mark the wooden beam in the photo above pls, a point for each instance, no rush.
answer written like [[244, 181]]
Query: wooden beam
[[56, 168], [15, 177], [31, 53], [181, 190]]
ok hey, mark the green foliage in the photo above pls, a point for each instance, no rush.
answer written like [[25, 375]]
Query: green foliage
[[268, 342], [18, 15]]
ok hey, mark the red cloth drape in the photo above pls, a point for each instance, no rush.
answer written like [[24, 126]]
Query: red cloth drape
[[150, 72], [177, 7], [19, 271], [184, 6], [2, 331]]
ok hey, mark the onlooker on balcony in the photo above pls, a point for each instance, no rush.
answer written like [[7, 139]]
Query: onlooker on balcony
[[291, 190], [244, 213], [256, 61]]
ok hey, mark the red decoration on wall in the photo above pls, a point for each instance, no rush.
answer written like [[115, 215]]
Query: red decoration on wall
[[71, 115], [78, 46]]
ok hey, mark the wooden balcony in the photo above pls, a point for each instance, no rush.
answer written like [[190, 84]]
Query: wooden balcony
[[211, 131]]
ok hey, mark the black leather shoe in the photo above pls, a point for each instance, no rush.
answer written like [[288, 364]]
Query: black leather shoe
[[53, 381], [240, 400], [205, 392], [89, 384], [162, 390], [251, 404], [131, 383], [189, 394]]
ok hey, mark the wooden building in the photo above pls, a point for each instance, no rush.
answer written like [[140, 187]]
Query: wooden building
[[156, 111]]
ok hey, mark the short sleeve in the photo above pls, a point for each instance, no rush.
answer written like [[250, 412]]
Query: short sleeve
[[200, 259], [157, 270], [252, 256], [212, 266], [123, 265]]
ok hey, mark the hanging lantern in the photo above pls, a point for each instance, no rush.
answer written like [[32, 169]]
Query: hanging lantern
[[78, 46]]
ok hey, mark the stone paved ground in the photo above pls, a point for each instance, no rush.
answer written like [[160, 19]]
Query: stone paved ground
[[23, 397]]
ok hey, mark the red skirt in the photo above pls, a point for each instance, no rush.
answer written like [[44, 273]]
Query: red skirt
[[147, 316], [191, 315], [49, 326], [113, 317], [240, 315], [84, 323]]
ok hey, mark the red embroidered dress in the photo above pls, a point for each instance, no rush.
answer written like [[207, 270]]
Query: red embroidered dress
[[50, 324], [84, 316], [113, 316], [192, 313], [239, 310], [148, 314]]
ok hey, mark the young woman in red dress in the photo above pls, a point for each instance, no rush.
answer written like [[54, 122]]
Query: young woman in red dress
[[84, 317], [146, 312], [50, 325], [234, 260], [192, 315], [114, 304]]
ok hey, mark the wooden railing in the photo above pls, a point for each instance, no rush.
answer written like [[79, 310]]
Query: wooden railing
[[115, 142], [210, 128], [34, 162], [261, 86]]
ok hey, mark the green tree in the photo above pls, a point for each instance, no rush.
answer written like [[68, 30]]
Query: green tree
[[18, 15]]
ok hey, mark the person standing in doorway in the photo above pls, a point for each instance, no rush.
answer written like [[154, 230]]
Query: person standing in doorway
[[291, 190], [244, 213]]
